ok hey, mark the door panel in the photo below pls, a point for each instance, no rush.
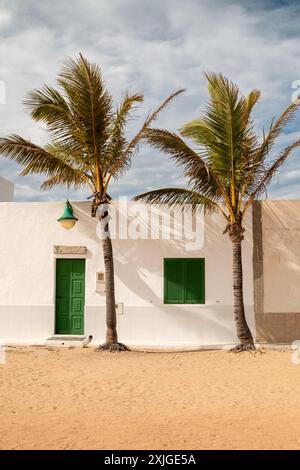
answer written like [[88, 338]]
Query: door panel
[[76, 287], [62, 288], [70, 296], [76, 325]]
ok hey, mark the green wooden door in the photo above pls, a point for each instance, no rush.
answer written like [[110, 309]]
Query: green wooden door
[[70, 294]]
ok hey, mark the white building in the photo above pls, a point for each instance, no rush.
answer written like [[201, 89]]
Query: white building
[[6, 190], [170, 292], [39, 259]]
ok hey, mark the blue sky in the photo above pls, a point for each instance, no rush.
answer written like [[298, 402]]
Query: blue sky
[[151, 46]]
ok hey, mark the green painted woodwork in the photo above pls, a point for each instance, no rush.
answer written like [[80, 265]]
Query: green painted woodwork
[[68, 213], [70, 296], [184, 280]]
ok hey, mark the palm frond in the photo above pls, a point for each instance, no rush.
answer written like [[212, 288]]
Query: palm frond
[[23, 151], [133, 144], [37, 160], [252, 99], [258, 165], [275, 130], [179, 196], [69, 178], [270, 171], [49, 106], [89, 101], [197, 168], [116, 160], [91, 108], [224, 129]]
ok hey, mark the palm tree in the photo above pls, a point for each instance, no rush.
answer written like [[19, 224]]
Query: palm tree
[[228, 170], [88, 148]]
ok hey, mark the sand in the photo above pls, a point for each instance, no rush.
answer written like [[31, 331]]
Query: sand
[[82, 399]]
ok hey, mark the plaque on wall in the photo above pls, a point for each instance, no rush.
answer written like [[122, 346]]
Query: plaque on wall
[[69, 250]]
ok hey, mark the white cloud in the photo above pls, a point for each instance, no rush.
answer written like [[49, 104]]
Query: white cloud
[[5, 17], [154, 47]]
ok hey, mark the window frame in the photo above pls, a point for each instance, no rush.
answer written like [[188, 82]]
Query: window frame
[[198, 301]]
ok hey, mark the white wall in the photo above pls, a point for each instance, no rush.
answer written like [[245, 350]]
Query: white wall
[[6, 190], [27, 279], [281, 237]]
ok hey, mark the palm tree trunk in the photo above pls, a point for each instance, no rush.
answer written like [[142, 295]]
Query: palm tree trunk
[[243, 331], [236, 231], [111, 342], [111, 317]]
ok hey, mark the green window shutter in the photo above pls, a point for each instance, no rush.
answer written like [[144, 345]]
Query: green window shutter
[[195, 281], [174, 274], [184, 280]]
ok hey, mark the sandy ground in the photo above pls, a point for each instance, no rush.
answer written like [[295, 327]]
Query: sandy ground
[[79, 398]]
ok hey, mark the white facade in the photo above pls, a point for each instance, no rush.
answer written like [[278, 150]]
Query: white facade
[[28, 234], [6, 190]]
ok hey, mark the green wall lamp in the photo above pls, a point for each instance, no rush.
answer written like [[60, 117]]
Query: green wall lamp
[[67, 220]]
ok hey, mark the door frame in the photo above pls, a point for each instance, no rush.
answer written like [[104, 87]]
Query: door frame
[[67, 257]]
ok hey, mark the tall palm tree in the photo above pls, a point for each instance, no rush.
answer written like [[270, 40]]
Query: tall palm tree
[[88, 148], [227, 170]]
